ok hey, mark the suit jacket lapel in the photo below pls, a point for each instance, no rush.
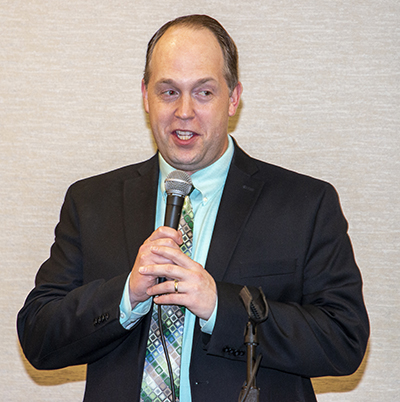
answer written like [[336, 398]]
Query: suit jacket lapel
[[240, 194], [139, 210]]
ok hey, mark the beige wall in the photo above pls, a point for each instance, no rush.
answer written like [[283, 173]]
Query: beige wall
[[321, 82]]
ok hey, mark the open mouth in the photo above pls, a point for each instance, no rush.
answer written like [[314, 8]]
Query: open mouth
[[184, 135]]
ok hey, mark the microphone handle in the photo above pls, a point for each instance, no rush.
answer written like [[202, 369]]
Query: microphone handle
[[173, 214], [173, 210]]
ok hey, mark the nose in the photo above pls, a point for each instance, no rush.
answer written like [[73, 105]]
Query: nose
[[184, 109]]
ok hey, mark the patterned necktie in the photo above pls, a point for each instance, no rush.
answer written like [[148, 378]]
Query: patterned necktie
[[156, 384]]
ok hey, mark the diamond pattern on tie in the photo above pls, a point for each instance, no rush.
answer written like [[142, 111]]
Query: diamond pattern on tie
[[156, 385], [186, 227]]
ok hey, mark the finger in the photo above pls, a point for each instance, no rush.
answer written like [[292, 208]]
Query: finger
[[147, 257], [154, 259], [174, 254], [198, 293], [164, 288], [162, 270], [164, 232]]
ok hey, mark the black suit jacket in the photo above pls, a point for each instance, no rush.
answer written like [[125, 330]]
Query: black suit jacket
[[276, 229]]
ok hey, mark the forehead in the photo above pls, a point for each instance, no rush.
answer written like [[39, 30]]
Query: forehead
[[184, 50]]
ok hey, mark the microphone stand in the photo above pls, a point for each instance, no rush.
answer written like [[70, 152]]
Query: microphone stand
[[250, 392], [257, 309]]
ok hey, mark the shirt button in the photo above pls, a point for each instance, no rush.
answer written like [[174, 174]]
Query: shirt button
[[205, 199], [122, 315]]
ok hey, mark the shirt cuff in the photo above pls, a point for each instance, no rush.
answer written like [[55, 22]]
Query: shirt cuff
[[128, 317], [208, 326]]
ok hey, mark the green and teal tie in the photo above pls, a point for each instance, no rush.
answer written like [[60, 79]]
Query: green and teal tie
[[156, 384]]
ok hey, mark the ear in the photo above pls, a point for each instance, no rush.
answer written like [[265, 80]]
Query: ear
[[145, 97], [234, 99]]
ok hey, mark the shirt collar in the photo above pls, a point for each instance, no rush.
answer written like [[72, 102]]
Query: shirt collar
[[207, 181]]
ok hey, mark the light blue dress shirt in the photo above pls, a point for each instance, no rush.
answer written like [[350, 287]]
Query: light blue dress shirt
[[205, 198]]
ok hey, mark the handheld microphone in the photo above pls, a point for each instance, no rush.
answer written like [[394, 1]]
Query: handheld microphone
[[178, 185]]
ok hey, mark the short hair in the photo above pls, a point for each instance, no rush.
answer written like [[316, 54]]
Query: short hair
[[197, 21]]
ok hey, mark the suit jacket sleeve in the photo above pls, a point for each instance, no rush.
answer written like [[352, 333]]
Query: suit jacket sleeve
[[293, 243], [72, 315]]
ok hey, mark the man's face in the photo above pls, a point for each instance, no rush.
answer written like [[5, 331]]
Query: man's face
[[188, 99]]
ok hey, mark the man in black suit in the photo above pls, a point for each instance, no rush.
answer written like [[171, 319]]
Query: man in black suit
[[263, 227]]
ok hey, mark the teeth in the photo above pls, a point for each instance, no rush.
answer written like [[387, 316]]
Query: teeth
[[184, 135]]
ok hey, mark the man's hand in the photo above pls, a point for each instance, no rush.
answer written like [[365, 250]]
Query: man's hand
[[161, 256], [138, 283]]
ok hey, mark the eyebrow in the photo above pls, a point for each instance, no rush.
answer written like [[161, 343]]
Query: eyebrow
[[168, 81]]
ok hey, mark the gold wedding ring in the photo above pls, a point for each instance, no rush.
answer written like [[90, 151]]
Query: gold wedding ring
[[176, 285]]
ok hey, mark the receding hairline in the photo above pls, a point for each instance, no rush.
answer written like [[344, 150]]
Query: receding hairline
[[183, 26], [197, 23]]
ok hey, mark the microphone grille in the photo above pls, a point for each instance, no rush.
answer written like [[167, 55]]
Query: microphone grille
[[178, 183]]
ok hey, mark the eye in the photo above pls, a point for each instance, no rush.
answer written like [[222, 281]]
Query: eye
[[204, 95], [169, 92]]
